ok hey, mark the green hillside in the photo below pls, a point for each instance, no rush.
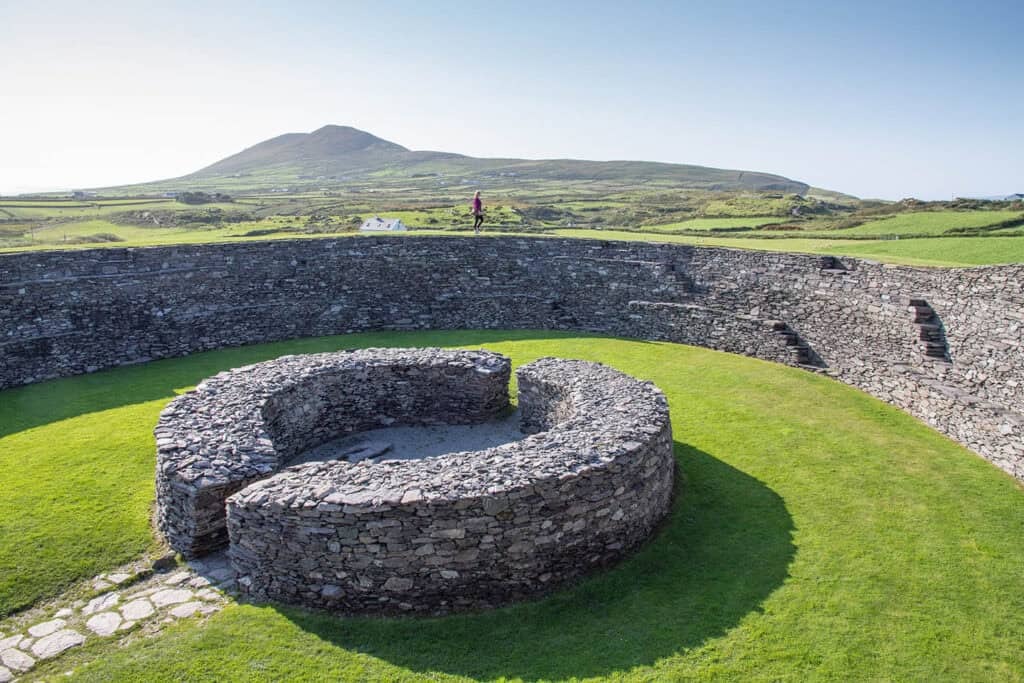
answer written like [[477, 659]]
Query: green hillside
[[337, 156]]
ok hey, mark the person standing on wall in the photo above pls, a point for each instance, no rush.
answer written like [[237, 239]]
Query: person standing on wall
[[478, 212]]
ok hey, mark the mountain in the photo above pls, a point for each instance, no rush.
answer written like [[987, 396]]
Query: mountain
[[330, 149], [340, 154]]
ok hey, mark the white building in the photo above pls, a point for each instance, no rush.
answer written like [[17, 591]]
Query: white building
[[378, 224]]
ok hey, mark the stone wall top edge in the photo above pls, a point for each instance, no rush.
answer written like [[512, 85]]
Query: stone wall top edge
[[111, 254]]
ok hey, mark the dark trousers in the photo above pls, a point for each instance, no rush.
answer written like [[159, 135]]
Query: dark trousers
[[478, 220]]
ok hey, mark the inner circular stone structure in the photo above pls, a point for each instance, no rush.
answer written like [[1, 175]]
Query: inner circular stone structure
[[464, 530]]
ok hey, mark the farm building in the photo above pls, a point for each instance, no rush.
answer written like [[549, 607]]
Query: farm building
[[378, 224]]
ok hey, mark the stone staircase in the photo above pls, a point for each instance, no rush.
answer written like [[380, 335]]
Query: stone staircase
[[830, 265], [797, 347], [932, 338]]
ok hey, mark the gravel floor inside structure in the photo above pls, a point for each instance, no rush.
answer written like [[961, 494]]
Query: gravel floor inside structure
[[415, 442]]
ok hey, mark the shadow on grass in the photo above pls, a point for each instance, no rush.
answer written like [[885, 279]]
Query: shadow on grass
[[724, 549], [35, 405]]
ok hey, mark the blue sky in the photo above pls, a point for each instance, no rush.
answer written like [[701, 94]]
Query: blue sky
[[886, 100]]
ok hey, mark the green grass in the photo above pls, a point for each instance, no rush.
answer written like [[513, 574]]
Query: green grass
[[746, 205], [928, 223], [713, 224], [85, 209], [78, 234], [817, 534], [941, 251]]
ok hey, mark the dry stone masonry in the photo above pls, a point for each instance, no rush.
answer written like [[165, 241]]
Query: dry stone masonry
[[961, 370], [243, 425], [468, 530], [459, 531]]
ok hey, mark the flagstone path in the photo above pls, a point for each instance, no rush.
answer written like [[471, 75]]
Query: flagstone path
[[123, 602]]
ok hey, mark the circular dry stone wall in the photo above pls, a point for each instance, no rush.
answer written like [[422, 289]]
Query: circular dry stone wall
[[466, 530], [246, 424]]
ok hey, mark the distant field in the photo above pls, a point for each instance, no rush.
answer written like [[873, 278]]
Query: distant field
[[77, 235], [928, 223], [748, 206], [42, 210], [713, 224], [45, 203]]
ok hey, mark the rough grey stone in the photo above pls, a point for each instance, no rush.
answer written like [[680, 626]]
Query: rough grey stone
[[63, 314], [17, 660], [101, 603], [170, 596], [46, 628], [185, 610], [454, 532], [104, 623], [56, 643], [137, 609], [278, 409], [177, 578]]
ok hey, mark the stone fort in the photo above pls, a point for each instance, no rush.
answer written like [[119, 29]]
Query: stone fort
[[944, 345]]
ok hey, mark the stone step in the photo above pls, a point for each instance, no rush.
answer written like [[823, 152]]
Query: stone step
[[812, 368], [922, 315]]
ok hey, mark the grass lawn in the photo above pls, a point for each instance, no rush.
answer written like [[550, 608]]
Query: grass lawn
[[817, 534]]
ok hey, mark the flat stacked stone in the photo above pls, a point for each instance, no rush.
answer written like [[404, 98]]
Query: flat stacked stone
[[468, 530], [244, 425]]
